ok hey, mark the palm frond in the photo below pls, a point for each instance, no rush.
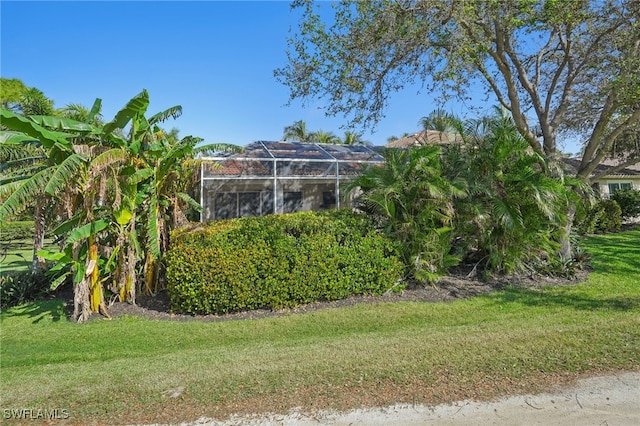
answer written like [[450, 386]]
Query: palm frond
[[22, 124], [173, 112], [217, 148], [137, 105], [24, 194], [64, 173], [190, 201]]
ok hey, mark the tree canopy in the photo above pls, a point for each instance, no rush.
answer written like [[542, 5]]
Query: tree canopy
[[557, 66]]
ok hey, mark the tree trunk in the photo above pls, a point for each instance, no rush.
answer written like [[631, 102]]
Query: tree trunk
[[39, 262], [566, 252]]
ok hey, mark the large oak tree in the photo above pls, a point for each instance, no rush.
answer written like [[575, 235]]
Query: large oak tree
[[558, 66]]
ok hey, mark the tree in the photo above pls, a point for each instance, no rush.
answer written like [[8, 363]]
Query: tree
[[121, 195], [555, 65], [511, 217], [413, 202], [353, 138], [325, 137], [297, 131], [440, 120], [11, 91]]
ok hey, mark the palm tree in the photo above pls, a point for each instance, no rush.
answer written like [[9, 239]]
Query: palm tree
[[511, 217], [414, 204], [353, 138], [56, 162], [324, 137], [297, 131], [439, 120]]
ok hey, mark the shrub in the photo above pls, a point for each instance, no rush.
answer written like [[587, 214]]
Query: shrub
[[20, 287], [629, 202], [278, 261], [18, 230], [611, 219], [605, 216]]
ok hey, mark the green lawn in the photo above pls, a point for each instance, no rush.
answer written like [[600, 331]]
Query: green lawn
[[17, 255], [125, 370]]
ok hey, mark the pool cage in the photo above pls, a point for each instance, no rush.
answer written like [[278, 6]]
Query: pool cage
[[280, 177]]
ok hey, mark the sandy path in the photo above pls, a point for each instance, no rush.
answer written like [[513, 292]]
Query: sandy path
[[607, 400]]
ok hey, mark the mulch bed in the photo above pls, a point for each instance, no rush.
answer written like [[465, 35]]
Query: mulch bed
[[452, 287]]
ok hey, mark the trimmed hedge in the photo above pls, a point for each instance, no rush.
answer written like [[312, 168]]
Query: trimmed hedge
[[278, 261], [18, 230]]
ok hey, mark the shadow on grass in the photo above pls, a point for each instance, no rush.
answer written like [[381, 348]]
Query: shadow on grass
[[39, 311], [616, 252], [545, 298]]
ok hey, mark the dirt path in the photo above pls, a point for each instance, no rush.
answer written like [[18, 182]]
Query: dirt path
[[606, 400]]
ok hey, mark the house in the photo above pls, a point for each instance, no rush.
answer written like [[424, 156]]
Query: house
[[425, 137], [280, 177], [627, 178]]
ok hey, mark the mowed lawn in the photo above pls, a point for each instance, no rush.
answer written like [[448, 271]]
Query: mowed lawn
[[135, 370], [17, 255]]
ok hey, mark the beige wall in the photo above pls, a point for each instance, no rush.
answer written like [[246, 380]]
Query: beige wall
[[604, 183]]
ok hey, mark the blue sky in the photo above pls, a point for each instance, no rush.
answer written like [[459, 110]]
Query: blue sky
[[214, 58]]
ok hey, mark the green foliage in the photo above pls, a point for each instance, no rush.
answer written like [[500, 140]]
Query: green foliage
[[509, 221], [629, 202], [356, 56], [119, 196], [611, 220], [278, 261], [603, 217], [23, 286], [18, 230], [488, 200], [412, 202]]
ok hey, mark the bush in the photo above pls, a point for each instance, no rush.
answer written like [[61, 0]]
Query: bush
[[278, 261], [605, 216], [19, 230], [21, 287], [611, 219], [629, 202]]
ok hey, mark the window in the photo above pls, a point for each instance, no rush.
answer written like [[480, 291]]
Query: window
[[249, 204], [240, 204], [328, 200], [292, 202], [613, 187], [267, 202], [226, 206]]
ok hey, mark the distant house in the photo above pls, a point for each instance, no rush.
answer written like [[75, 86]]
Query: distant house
[[628, 178], [280, 177], [425, 137]]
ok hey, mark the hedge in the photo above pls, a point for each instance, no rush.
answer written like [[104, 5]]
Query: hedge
[[278, 261], [604, 217], [18, 230], [629, 202]]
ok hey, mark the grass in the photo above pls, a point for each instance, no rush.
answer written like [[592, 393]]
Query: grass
[[127, 370], [17, 255]]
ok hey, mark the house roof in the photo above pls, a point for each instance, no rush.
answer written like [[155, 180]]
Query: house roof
[[425, 137], [604, 166], [292, 159]]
